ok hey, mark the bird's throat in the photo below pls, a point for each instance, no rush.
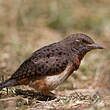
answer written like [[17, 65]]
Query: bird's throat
[[81, 52]]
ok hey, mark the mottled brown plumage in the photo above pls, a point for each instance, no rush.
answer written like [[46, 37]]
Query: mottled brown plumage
[[49, 66]]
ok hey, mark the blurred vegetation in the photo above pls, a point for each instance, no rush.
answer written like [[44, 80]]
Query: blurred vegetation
[[26, 25]]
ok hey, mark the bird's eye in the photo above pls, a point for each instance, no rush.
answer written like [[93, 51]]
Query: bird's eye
[[85, 41]]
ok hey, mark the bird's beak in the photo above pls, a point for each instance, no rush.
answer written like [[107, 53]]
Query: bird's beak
[[96, 46]]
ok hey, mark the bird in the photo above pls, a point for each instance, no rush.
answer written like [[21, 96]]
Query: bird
[[51, 65]]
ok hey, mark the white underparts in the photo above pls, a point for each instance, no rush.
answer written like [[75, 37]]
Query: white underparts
[[53, 81]]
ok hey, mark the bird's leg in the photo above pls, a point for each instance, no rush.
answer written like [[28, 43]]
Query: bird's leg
[[46, 92], [52, 94], [47, 95]]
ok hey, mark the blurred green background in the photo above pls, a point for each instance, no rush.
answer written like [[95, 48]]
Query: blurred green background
[[27, 25]]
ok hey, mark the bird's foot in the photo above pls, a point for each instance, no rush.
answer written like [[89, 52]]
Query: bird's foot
[[50, 96]]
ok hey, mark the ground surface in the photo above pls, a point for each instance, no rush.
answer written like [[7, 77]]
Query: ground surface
[[80, 99]]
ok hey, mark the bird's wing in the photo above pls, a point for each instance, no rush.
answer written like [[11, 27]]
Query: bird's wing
[[41, 67], [50, 66]]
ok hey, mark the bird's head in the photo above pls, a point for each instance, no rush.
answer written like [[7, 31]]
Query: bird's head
[[84, 41], [81, 43]]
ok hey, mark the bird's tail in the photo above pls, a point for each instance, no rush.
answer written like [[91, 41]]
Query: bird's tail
[[7, 83]]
